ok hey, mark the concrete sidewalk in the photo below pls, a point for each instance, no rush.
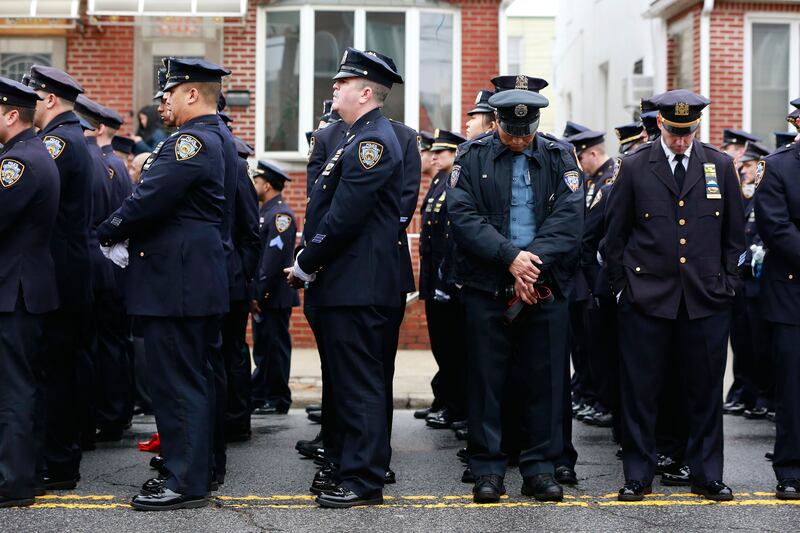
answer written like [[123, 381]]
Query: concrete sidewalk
[[412, 378]]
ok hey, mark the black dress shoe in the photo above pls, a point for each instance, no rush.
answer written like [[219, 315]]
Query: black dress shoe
[[713, 490], [108, 435], [440, 420], [676, 475], [269, 409], [462, 434], [585, 412], [422, 413], [662, 462], [306, 448], [566, 476], [153, 485], [600, 419], [770, 416], [458, 424], [633, 491], [15, 502], [756, 413], [788, 489], [326, 479], [342, 498], [576, 406], [488, 489], [467, 476], [733, 408], [543, 487], [389, 478], [618, 454], [60, 483], [313, 407], [463, 455], [315, 416], [167, 500], [158, 463], [769, 456], [319, 457]]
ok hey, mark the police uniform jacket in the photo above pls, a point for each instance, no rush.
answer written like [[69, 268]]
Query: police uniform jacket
[[777, 210], [63, 138], [29, 195], [479, 202], [321, 146], [596, 275], [350, 233], [177, 263], [664, 245], [278, 231], [434, 239], [409, 142], [121, 184], [102, 269], [751, 237]]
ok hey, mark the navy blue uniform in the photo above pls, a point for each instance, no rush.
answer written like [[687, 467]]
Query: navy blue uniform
[[177, 283], [777, 212], [321, 146], [350, 240], [272, 343], [29, 192], [674, 255]]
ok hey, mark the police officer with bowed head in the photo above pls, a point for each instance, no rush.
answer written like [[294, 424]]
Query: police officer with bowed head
[[597, 165], [630, 136], [177, 281], [516, 212], [783, 138], [68, 327], [481, 117], [350, 239], [649, 117], [29, 192], [674, 244], [272, 298], [734, 143], [777, 212]]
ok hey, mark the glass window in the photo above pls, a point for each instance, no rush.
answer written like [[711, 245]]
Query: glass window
[[219, 6], [56, 8], [436, 67], [14, 66], [682, 66], [515, 54], [15, 8], [386, 34], [333, 34], [770, 79], [173, 6], [282, 81]]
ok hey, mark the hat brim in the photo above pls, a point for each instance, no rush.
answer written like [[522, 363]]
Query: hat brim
[[681, 131], [481, 110], [519, 129], [342, 75]]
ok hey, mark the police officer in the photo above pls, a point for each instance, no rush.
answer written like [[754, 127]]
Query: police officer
[[649, 116], [777, 204], [68, 335], [273, 299], [783, 138], [349, 240], [734, 143], [29, 195], [123, 149], [177, 280], [674, 242], [321, 145], [630, 136], [516, 212], [481, 117]]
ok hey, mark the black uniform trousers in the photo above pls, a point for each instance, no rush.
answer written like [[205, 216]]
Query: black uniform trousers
[[237, 368], [218, 401], [181, 384], [603, 352], [581, 383], [534, 346], [446, 332], [744, 352], [352, 342], [272, 353], [785, 342], [21, 401], [390, 343], [331, 438], [112, 366], [649, 346]]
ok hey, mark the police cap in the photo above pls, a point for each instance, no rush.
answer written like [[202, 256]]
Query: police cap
[[161, 74], [482, 103], [518, 109], [122, 144], [650, 123], [242, 148], [53, 80], [573, 128], [270, 173], [731, 136], [753, 151], [446, 140], [520, 82], [783, 138], [425, 140], [358, 64], [629, 134], [680, 110], [192, 70], [16, 94], [98, 113], [85, 124], [792, 117], [587, 139]]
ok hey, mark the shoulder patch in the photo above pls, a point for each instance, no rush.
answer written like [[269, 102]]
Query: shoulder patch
[[282, 222], [454, 174], [55, 145], [419, 143], [186, 147], [617, 166], [573, 180], [761, 167], [10, 172], [311, 144], [369, 153]]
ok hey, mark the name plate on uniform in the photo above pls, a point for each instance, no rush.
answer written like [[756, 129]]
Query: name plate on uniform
[[712, 186]]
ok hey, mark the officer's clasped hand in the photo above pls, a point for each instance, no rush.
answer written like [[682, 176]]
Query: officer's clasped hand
[[525, 267], [116, 253]]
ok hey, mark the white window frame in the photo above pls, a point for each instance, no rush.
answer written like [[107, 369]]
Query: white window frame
[[306, 74], [140, 11], [793, 21], [33, 11]]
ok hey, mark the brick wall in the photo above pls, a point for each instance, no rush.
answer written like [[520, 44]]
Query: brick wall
[[480, 55]]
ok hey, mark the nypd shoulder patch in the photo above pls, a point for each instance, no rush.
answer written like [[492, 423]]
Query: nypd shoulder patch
[[573, 180], [760, 169], [11, 171], [282, 222], [186, 147], [617, 167], [55, 145], [454, 174], [369, 153]]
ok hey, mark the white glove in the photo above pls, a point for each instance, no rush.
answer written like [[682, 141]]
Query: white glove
[[618, 295], [117, 254], [441, 296], [299, 274], [599, 259]]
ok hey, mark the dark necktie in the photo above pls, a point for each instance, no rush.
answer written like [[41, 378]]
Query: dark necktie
[[680, 171]]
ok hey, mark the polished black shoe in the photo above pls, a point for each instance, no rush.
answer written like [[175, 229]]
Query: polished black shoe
[[467, 476], [342, 498], [153, 485], [662, 462], [633, 491], [315, 416], [769, 456], [108, 435], [389, 478], [713, 490], [326, 479], [306, 448], [463, 455], [566, 476], [756, 413], [788, 489], [440, 420], [455, 425], [676, 475], [770, 416], [15, 502], [462, 434], [543, 487], [158, 463], [420, 414], [587, 410], [576, 406], [733, 408], [60, 483], [268, 408], [600, 419], [319, 457], [488, 489], [618, 453], [313, 407], [167, 500]]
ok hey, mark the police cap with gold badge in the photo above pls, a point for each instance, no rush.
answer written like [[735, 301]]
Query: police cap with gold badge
[[425, 141], [573, 128], [784, 138], [446, 140], [753, 151], [243, 148], [100, 114], [511, 83], [161, 76], [482, 103], [270, 173], [792, 117], [14, 93], [368, 65], [192, 70], [587, 139], [518, 107], [628, 135], [680, 110], [53, 80], [122, 144], [649, 119], [732, 136]]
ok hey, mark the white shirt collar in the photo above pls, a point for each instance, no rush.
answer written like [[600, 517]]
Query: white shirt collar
[[671, 155]]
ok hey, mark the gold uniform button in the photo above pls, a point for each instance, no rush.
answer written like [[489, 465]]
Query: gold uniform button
[[681, 203], [638, 269], [324, 187], [647, 215], [683, 260], [683, 241], [716, 213], [791, 276], [682, 222], [141, 254]]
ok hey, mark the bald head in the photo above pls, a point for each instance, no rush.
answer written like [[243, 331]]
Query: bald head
[[136, 167]]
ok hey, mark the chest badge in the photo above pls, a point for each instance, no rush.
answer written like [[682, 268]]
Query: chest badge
[[369, 153], [187, 147], [10, 172], [55, 145], [282, 222]]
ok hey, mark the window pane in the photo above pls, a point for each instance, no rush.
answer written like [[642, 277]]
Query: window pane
[[117, 6], [173, 6], [282, 81], [770, 79], [682, 44], [15, 8], [386, 34], [436, 69], [219, 6], [54, 8], [14, 66], [333, 32]]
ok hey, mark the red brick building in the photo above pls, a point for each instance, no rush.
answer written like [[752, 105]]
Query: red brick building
[[283, 54]]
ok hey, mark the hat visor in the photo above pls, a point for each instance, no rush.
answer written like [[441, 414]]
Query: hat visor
[[519, 130], [441, 149], [171, 85], [680, 132], [484, 110], [341, 75], [159, 95]]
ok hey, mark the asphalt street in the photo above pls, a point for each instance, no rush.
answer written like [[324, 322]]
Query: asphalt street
[[267, 490]]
